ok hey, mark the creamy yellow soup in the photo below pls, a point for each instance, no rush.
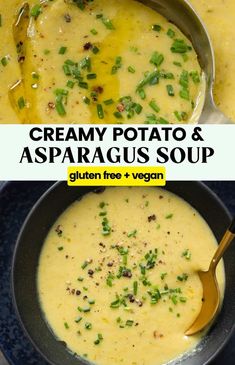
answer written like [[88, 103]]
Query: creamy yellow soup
[[114, 61], [219, 17], [117, 276]]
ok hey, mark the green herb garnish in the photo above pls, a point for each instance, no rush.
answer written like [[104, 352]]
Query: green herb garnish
[[132, 233], [99, 339], [156, 27], [66, 325], [36, 11], [62, 50], [187, 254], [100, 111], [183, 277]]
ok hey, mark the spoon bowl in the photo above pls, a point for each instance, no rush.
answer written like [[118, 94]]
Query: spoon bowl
[[211, 293]]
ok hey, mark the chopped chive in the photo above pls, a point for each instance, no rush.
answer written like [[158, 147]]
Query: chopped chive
[[102, 214], [177, 64], [109, 280], [69, 62], [108, 23], [102, 205], [91, 301], [99, 339], [93, 31], [118, 320], [195, 77], [80, 278], [85, 310], [138, 108], [4, 61], [60, 248], [184, 79], [0, 20], [183, 277], [95, 50], [115, 304], [61, 92], [86, 100], [66, 325], [170, 33], [108, 102], [118, 64], [151, 78], [163, 275], [100, 111], [174, 299], [60, 108], [141, 93], [169, 216], [62, 50], [99, 16], [187, 254], [70, 84], [131, 69], [86, 63], [80, 4], [162, 121], [183, 299], [35, 75], [91, 76], [84, 265], [179, 46], [181, 116], [83, 85], [78, 319], [124, 260], [66, 69], [154, 106], [21, 103], [135, 287], [36, 11], [129, 323], [170, 90], [46, 51], [184, 94], [117, 115], [132, 233], [157, 58], [156, 27], [88, 326]]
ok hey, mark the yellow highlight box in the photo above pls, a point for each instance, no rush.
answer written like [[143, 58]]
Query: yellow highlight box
[[116, 176]]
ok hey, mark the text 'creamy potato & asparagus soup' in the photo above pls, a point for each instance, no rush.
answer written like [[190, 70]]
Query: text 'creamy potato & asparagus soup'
[[117, 276], [94, 61]]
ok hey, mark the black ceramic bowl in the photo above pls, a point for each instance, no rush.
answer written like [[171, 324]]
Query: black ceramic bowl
[[29, 245]]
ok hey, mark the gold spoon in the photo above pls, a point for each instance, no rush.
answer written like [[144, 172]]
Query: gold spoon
[[211, 294]]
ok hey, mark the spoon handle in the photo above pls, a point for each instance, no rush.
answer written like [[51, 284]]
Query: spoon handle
[[224, 244]]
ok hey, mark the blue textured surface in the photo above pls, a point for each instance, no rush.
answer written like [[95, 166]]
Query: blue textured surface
[[16, 199]]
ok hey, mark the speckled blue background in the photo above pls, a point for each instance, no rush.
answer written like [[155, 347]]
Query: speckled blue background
[[16, 199]]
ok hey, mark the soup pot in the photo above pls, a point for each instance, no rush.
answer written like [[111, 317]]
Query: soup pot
[[26, 258]]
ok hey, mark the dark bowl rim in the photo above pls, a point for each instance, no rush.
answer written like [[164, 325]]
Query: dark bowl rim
[[16, 248]]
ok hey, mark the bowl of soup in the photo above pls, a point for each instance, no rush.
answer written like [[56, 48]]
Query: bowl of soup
[[109, 275]]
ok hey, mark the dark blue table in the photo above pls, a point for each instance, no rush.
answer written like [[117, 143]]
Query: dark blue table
[[16, 199]]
